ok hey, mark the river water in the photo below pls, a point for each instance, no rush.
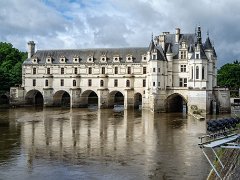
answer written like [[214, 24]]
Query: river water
[[56, 143]]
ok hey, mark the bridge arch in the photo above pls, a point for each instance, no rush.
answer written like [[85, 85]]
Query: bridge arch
[[176, 103], [34, 97], [61, 98], [116, 98], [4, 99], [89, 97], [137, 100]]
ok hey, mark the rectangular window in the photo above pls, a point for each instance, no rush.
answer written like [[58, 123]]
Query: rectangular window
[[62, 82], [183, 82], [159, 70], [103, 70], [197, 56], [116, 70], [62, 70], [48, 71], [154, 69], [74, 83], [75, 70], [115, 83], [144, 70], [34, 82], [34, 70], [129, 70], [90, 70], [46, 82], [154, 56], [144, 83], [89, 82], [183, 68], [153, 83], [101, 83], [158, 83], [183, 55]]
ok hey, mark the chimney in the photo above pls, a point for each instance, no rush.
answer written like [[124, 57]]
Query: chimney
[[31, 48], [177, 35]]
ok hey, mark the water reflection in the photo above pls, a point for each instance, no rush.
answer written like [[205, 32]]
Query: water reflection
[[105, 145]]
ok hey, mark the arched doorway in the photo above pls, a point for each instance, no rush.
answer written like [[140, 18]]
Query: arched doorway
[[4, 100], [61, 98], [34, 97], [89, 98], [137, 101], [176, 103], [116, 98]]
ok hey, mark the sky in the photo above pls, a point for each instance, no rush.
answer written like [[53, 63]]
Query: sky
[[77, 24]]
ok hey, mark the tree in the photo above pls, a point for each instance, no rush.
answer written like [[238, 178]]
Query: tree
[[11, 60]]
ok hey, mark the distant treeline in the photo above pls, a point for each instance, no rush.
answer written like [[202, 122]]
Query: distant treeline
[[11, 60]]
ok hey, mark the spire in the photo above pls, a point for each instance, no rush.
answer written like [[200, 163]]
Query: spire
[[208, 44], [169, 49], [151, 45], [199, 35]]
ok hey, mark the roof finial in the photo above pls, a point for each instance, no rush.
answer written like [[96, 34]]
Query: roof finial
[[152, 36], [208, 33]]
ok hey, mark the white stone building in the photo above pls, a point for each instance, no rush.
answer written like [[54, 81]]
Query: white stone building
[[175, 71]]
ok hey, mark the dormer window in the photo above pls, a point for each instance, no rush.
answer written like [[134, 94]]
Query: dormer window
[[49, 59], [90, 59], [116, 58], [183, 54], [144, 57], [129, 58], [154, 56], [103, 59], [76, 59], [62, 59], [35, 60]]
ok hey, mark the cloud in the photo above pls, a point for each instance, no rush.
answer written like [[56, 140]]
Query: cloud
[[57, 24]]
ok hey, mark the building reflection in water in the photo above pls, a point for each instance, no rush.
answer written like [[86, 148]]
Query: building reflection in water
[[153, 142]]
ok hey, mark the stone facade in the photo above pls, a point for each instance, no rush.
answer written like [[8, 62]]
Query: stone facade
[[176, 71]]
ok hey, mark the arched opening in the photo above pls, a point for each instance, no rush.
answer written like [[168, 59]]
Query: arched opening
[[89, 99], [4, 100], [116, 98], [61, 98], [176, 103], [34, 97], [138, 101]]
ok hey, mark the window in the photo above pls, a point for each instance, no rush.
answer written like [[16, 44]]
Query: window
[[75, 70], [144, 58], [34, 82], [115, 83], [129, 70], [153, 83], [89, 82], [154, 69], [154, 56], [144, 82], [90, 70], [183, 68], [159, 70], [62, 70], [183, 55], [74, 83], [48, 71], [127, 83], [62, 82], [197, 56], [101, 83], [144, 70], [116, 70], [197, 72], [46, 82], [183, 82], [203, 71], [34, 70], [103, 70], [158, 83]]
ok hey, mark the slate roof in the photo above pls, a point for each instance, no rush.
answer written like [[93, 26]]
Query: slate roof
[[83, 54], [208, 44]]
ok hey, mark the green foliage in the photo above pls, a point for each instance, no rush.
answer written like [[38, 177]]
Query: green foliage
[[11, 60], [229, 75]]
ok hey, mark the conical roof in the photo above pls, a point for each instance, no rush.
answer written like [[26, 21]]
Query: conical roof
[[208, 44]]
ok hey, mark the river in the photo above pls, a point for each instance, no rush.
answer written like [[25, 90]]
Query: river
[[57, 143]]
